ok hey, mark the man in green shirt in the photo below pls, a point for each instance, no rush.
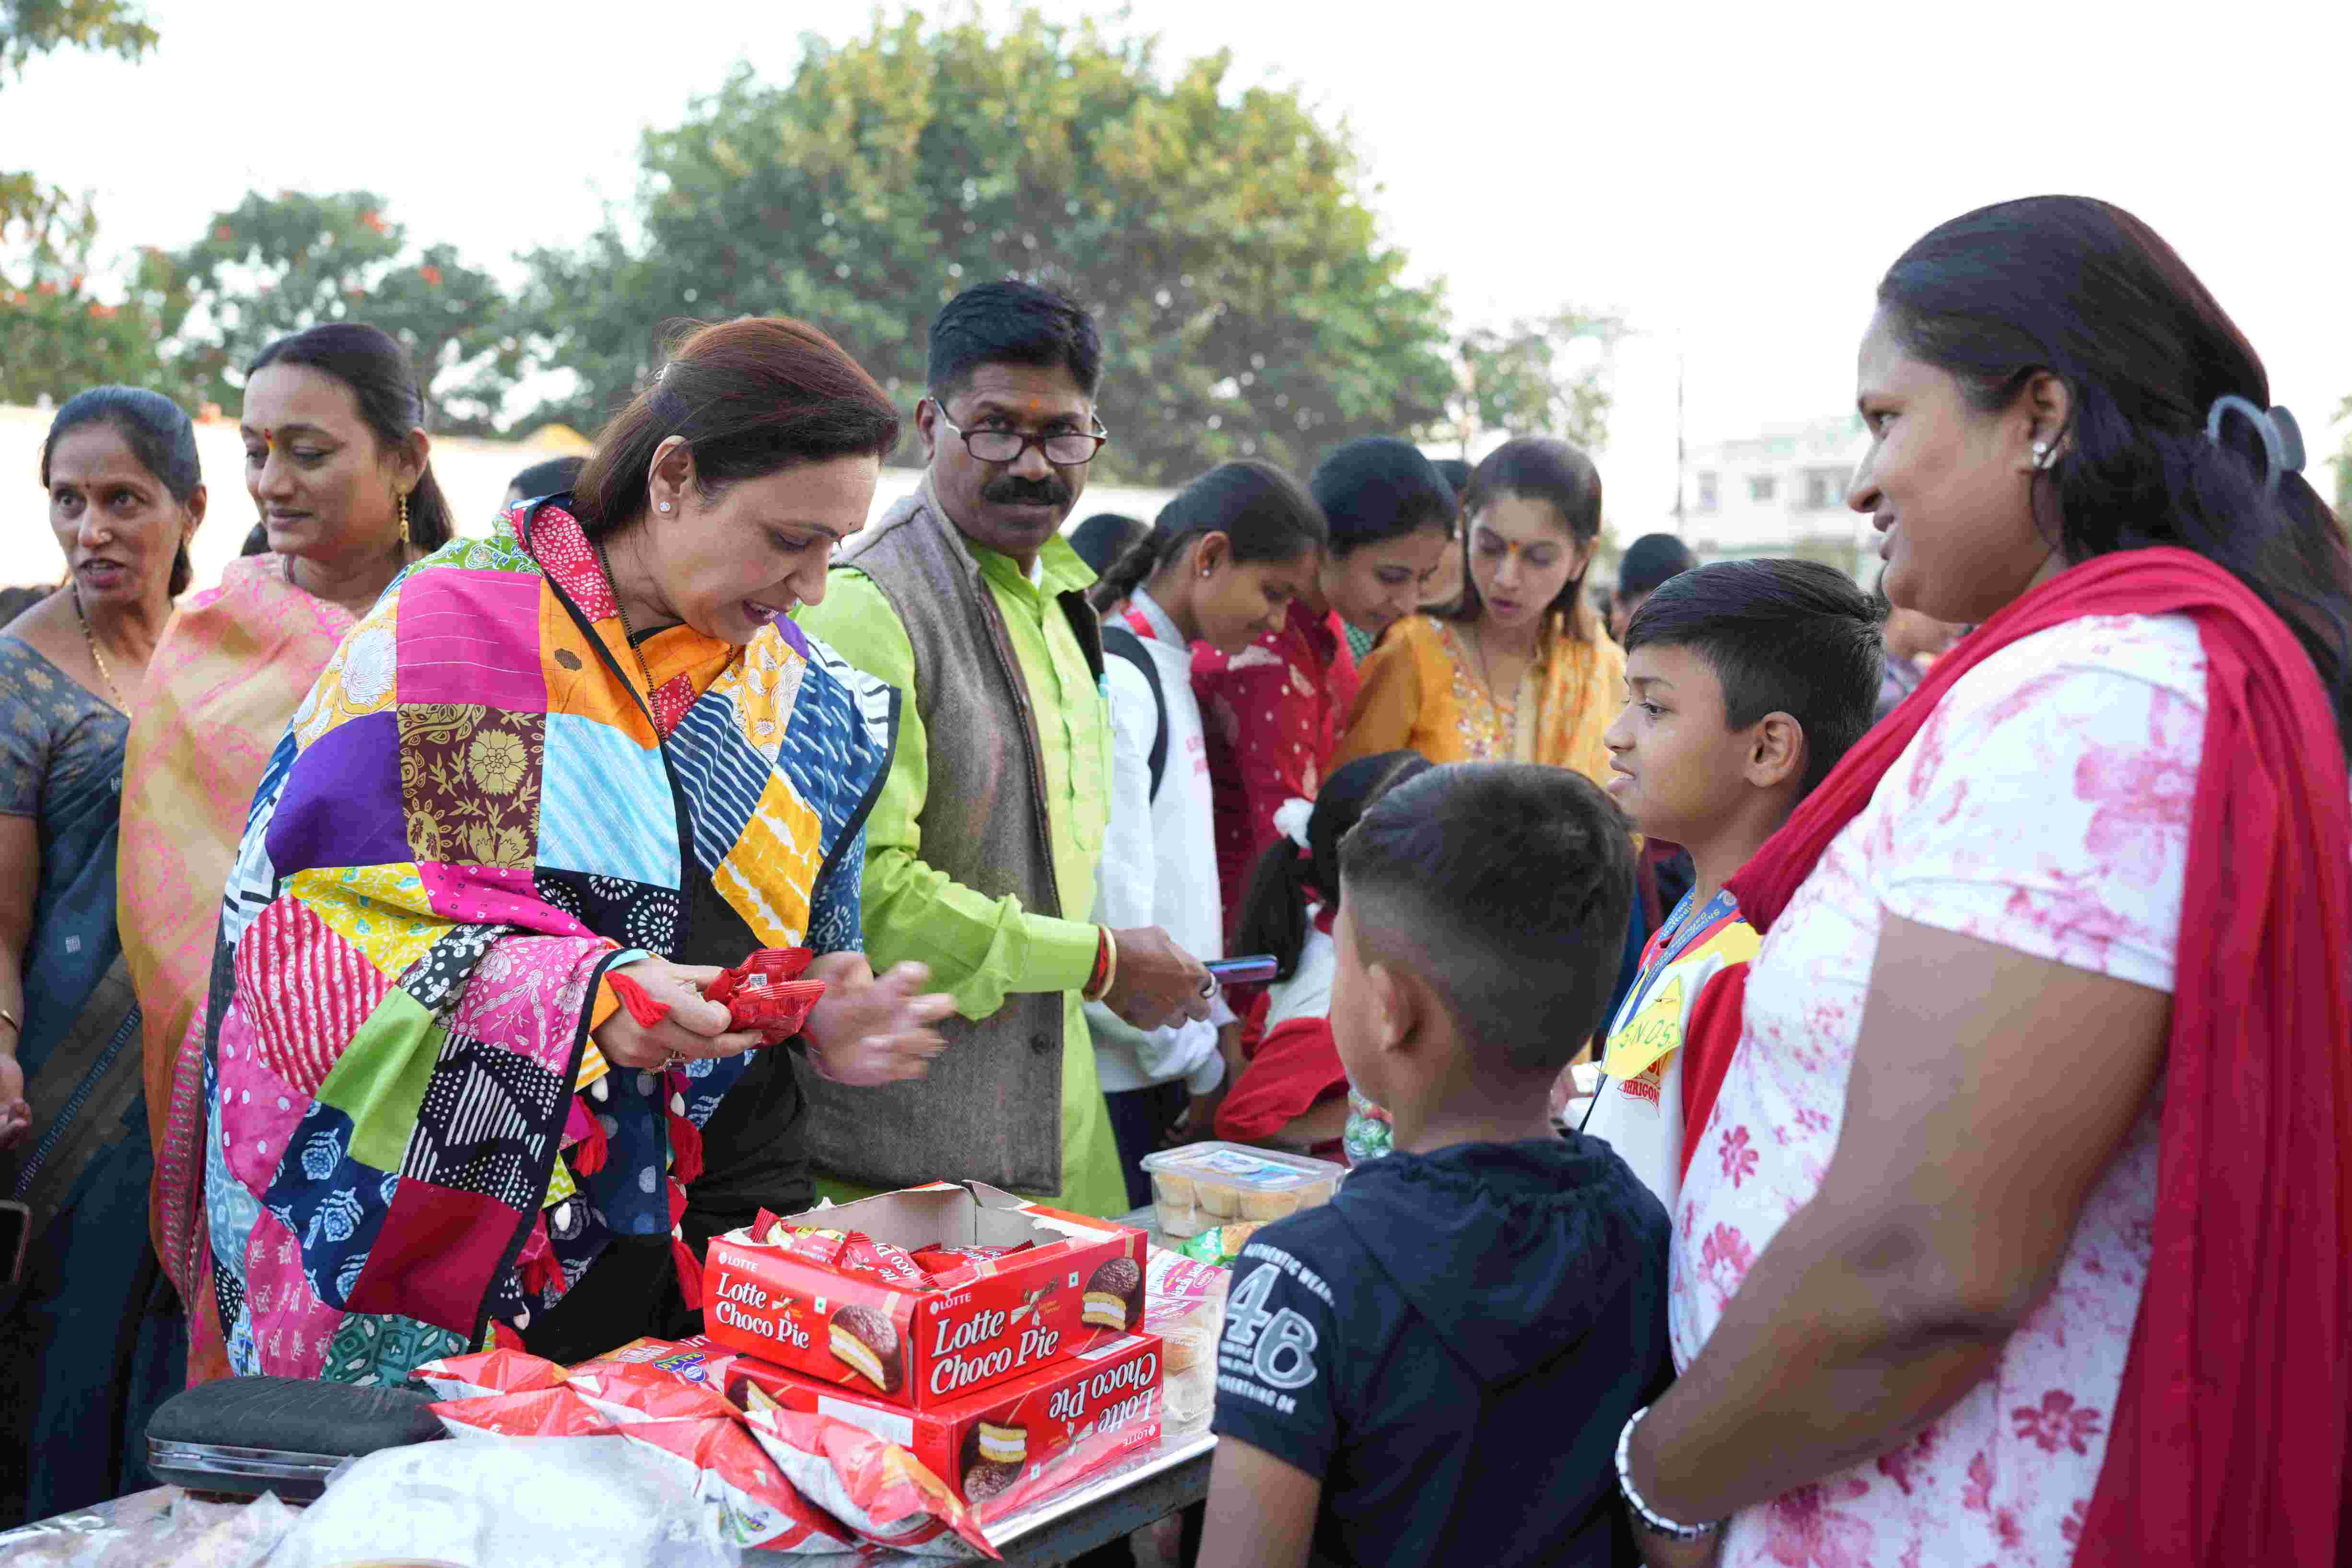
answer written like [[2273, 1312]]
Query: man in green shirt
[[982, 843]]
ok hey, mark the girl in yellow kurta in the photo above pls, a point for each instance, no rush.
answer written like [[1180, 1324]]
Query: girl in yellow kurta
[[1518, 668]]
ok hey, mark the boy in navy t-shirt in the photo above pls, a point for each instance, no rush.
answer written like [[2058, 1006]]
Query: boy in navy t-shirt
[[1434, 1367]]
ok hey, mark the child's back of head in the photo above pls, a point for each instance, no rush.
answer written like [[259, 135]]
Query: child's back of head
[[1505, 887], [1781, 636]]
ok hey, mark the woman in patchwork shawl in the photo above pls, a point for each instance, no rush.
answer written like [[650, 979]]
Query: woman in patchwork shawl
[[583, 762]]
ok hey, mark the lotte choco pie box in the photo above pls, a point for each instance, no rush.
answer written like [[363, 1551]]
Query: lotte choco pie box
[[834, 1294]]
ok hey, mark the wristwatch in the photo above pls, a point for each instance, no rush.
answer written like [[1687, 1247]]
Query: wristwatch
[[1645, 1516]]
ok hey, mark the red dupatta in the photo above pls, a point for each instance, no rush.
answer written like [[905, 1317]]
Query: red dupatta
[[2228, 1439]]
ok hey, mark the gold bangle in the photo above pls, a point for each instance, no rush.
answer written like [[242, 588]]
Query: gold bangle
[[1110, 967], [10, 1019]]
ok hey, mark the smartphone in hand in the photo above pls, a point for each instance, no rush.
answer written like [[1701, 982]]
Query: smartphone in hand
[[1239, 970]]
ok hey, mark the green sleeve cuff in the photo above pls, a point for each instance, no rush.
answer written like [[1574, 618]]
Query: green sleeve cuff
[[1061, 955]]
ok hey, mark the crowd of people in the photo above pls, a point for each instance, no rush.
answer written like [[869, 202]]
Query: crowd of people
[[1966, 964]]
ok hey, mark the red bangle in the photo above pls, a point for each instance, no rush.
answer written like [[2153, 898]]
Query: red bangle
[[1094, 978]]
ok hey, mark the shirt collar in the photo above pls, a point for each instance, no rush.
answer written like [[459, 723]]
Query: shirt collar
[[1163, 625]]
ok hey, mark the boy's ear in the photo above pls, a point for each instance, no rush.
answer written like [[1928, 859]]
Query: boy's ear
[[1776, 752], [1394, 1011]]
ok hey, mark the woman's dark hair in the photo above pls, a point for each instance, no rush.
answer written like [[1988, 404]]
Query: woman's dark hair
[[1378, 488], [1012, 322], [2089, 293], [1284, 883], [256, 541], [751, 397], [1456, 475], [1102, 538], [1538, 467], [1650, 560], [1266, 515], [550, 478], [159, 433], [370, 362]]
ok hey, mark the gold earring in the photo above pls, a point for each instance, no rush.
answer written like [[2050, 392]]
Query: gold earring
[[403, 520]]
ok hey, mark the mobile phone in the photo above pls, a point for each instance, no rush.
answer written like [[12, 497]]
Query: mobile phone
[[1235, 970]]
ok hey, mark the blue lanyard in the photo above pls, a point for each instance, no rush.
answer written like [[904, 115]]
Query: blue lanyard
[[1682, 933]]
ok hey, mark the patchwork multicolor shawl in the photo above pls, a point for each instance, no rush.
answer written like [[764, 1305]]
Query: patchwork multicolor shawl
[[477, 813]]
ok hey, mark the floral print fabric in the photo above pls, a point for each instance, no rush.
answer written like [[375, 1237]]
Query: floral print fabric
[[2045, 807]]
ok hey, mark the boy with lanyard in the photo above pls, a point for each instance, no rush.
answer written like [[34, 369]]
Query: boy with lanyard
[[1746, 681], [1433, 1367]]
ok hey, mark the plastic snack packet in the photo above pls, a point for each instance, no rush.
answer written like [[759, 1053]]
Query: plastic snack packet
[[758, 1507], [765, 992], [488, 1373], [876, 1487], [538, 1412]]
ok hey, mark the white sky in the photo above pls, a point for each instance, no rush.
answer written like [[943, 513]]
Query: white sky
[[1734, 177]]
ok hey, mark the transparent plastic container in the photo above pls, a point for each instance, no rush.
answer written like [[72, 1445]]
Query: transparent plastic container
[[1205, 1184]]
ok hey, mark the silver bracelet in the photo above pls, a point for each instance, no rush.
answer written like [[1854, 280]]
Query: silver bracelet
[[1644, 1515]]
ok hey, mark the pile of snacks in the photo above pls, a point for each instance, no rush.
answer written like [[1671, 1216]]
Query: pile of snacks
[[998, 1340], [1203, 1185]]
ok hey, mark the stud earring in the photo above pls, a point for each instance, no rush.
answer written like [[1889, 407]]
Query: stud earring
[[2043, 455], [665, 506]]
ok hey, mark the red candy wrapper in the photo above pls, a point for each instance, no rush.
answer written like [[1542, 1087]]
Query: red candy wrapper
[[626, 1392], [861, 1254], [490, 1371], [876, 1487], [695, 1360], [765, 992]]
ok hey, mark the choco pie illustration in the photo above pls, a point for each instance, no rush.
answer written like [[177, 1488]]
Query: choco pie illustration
[[920, 1297]]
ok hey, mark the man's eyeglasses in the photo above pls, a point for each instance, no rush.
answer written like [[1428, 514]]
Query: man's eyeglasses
[[1063, 448]]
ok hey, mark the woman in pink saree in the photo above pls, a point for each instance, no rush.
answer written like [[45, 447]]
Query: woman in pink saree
[[336, 461]]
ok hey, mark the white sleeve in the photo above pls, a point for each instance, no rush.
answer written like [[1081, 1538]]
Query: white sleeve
[[2048, 810], [1124, 877]]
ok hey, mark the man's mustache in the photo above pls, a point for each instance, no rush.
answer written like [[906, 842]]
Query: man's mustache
[[1010, 491]]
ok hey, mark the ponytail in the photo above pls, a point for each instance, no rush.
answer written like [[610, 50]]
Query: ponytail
[[1286, 880], [1266, 515], [429, 524]]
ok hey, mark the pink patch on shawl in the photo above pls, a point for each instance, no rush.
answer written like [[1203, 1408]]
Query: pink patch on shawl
[[471, 638], [258, 1109], [493, 895], [304, 990], [564, 552], [527, 995], [291, 1327]]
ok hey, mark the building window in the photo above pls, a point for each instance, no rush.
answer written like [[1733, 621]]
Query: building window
[[1760, 487], [1825, 490], [1708, 499]]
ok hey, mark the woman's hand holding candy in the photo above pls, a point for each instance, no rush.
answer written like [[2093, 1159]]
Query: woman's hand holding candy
[[695, 1027]]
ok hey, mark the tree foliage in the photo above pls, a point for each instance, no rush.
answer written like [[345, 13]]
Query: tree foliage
[[274, 265], [1248, 302], [1544, 376]]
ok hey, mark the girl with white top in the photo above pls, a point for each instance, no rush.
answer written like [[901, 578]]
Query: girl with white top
[[1220, 567]]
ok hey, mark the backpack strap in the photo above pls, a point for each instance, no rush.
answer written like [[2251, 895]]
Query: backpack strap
[[1121, 643]]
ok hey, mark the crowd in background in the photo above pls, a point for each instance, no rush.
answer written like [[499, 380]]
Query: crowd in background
[[1963, 962]]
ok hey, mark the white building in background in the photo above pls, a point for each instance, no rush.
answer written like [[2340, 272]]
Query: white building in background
[[1779, 493]]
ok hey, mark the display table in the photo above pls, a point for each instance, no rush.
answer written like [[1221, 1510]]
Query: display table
[[1111, 1504]]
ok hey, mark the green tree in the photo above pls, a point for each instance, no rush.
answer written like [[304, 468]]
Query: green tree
[[1219, 234], [1542, 376], [55, 336], [274, 265]]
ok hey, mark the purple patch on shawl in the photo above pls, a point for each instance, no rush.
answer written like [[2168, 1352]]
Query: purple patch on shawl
[[471, 636], [790, 630], [493, 895], [341, 804]]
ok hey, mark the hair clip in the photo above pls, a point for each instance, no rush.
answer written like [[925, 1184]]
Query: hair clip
[[2282, 437], [1290, 820]]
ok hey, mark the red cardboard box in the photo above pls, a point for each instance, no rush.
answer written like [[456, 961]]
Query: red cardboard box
[[1077, 1287], [1009, 1444]]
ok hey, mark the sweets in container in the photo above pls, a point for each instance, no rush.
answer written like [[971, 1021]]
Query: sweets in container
[[1204, 1185]]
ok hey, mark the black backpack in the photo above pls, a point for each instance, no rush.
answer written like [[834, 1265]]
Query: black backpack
[[1119, 642]]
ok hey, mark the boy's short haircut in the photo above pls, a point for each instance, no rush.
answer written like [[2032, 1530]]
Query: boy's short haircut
[[1783, 637], [1507, 886]]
